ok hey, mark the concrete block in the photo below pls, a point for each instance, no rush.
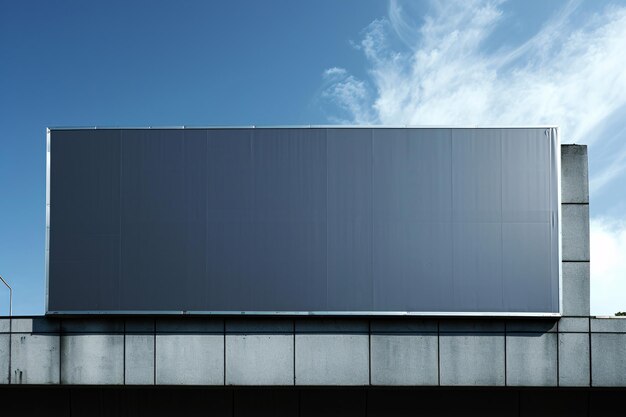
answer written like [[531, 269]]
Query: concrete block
[[259, 359], [608, 325], [473, 359], [576, 288], [35, 325], [574, 174], [573, 325], [139, 361], [332, 359], [5, 340], [404, 359], [403, 325], [139, 325], [92, 325], [192, 325], [260, 326], [189, 359], [5, 325], [536, 326], [344, 326], [531, 359], [575, 232], [471, 325], [35, 358], [92, 359], [573, 360], [608, 360]]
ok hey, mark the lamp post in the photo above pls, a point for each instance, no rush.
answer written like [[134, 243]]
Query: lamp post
[[10, 296]]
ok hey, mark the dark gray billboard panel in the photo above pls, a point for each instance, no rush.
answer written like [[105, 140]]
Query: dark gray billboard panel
[[333, 220]]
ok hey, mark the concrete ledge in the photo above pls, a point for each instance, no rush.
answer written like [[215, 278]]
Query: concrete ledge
[[574, 325], [533, 326], [261, 326], [471, 325], [608, 325], [190, 325], [35, 325], [5, 325], [139, 325], [531, 359], [328, 326], [92, 325], [575, 232], [408, 325], [574, 360]]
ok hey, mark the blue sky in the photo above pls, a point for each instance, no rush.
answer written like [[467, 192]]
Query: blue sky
[[318, 62]]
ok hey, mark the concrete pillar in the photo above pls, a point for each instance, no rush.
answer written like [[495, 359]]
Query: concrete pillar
[[575, 230]]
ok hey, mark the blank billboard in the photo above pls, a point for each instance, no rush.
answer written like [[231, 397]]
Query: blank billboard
[[319, 220]]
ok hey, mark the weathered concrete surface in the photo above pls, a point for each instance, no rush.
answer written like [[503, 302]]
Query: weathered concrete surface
[[332, 352], [574, 360], [574, 325], [92, 359], [575, 232], [398, 352], [260, 351], [332, 359], [531, 359], [189, 359], [260, 359], [608, 364], [472, 359], [404, 359], [608, 325], [35, 358], [139, 361], [574, 174], [5, 341], [576, 288]]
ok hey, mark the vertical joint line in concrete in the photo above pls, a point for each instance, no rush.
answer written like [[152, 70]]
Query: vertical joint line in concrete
[[224, 330], [294, 359], [10, 348], [438, 354], [590, 355], [124, 356], [154, 346], [558, 347], [506, 383], [10, 343], [61, 354], [369, 352]]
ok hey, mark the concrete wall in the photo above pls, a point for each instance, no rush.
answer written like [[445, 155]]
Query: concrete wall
[[571, 352], [575, 351]]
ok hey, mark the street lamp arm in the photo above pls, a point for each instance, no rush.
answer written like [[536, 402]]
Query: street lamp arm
[[10, 295]]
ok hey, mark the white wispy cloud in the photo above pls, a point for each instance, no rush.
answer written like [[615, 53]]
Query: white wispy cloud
[[571, 72], [608, 268]]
